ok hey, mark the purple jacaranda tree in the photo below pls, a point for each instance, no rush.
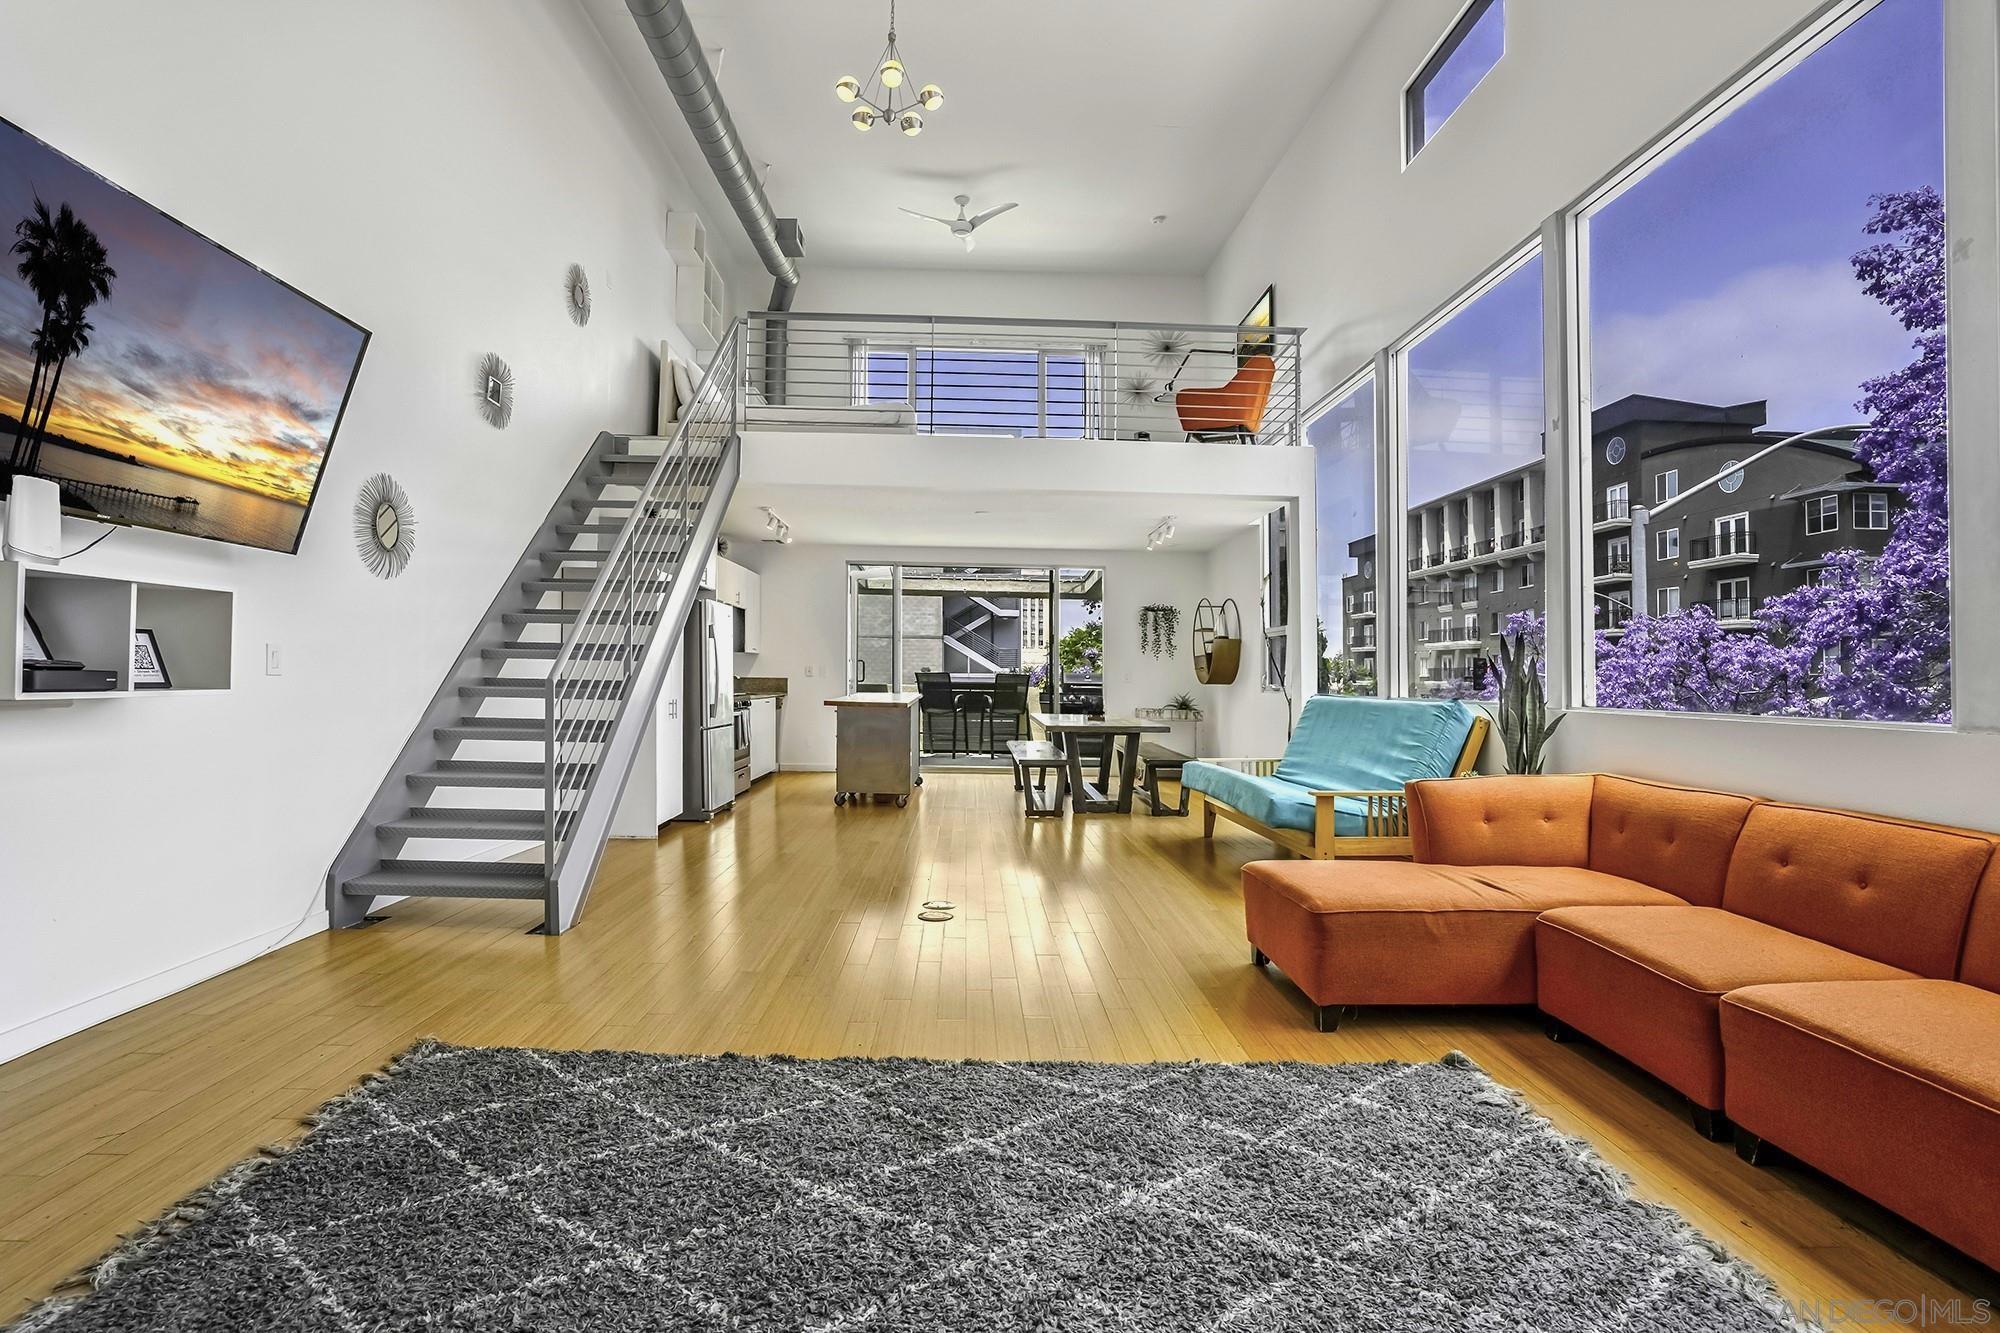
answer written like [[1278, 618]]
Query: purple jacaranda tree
[[1871, 638]]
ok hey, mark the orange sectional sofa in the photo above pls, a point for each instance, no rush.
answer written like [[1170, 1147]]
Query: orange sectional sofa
[[1825, 982]]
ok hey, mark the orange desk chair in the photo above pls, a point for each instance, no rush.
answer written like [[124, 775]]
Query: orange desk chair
[[1234, 411]]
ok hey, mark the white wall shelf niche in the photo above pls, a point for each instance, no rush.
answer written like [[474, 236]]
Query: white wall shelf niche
[[700, 298], [92, 618]]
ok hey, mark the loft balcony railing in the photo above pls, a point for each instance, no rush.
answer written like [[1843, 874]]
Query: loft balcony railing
[[1035, 378], [1615, 563], [1612, 511]]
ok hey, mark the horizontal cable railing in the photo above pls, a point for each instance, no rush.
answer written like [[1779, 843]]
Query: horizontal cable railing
[[1051, 379], [622, 610]]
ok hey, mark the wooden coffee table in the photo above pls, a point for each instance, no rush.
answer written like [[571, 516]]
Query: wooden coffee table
[[1094, 798]]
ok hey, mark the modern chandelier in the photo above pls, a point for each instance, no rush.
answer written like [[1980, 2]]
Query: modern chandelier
[[878, 98]]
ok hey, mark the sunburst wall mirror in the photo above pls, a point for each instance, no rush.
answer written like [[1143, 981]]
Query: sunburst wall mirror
[[496, 391], [385, 526], [576, 287]]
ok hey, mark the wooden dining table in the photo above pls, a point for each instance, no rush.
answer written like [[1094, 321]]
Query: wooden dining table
[[1065, 729]]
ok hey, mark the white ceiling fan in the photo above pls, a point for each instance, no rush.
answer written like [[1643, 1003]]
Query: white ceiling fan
[[963, 226]]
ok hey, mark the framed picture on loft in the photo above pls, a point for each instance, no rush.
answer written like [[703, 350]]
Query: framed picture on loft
[[149, 665], [1263, 315]]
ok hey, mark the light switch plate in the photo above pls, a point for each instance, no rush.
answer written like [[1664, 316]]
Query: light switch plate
[[274, 662]]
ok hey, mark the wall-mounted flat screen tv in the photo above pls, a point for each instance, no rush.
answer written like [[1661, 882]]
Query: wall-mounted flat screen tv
[[157, 378]]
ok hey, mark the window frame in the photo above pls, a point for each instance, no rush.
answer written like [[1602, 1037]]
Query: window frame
[[1442, 50], [1823, 510], [1672, 479], [1971, 110], [1873, 498], [1665, 539]]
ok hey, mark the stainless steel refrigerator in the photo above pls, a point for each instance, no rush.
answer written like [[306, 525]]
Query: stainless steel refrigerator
[[708, 691]]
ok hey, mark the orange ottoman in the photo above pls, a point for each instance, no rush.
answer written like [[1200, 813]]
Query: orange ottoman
[[1646, 984], [1890, 1086], [1394, 932]]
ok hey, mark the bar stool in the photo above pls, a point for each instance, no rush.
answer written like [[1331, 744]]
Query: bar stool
[[973, 707]]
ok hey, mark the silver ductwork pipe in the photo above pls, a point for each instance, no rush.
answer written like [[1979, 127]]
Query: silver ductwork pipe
[[670, 36]]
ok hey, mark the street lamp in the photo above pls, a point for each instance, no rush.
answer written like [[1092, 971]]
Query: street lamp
[[1642, 516]]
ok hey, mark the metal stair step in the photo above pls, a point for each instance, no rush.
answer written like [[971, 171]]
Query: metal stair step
[[585, 585], [451, 879], [517, 729], [559, 617], [626, 502], [520, 650], [457, 822], [493, 687], [489, 773]]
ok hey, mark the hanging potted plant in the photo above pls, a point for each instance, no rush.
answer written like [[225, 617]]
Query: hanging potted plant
[[1159, 627]]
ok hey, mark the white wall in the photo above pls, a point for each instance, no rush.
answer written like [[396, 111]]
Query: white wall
[[1253, 721], [429, 170], [805, 630], [1361, 250], [990, 294]]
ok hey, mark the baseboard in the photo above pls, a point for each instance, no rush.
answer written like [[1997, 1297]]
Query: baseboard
[[72, 1019], [35, 1033]]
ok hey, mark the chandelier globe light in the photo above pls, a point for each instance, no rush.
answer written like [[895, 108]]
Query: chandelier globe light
[[885, 96]]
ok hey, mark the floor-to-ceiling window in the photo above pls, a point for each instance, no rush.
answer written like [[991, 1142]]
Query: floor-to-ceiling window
[[1046, 393], [981, 645], [1781, 273], [1472, 429], [1342, 438]]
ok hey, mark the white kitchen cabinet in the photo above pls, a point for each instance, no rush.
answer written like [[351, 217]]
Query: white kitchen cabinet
[[741, 588], [763, 737], [751, 586]]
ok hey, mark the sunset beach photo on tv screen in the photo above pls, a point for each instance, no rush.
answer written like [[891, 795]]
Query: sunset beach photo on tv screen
[[158, 379]]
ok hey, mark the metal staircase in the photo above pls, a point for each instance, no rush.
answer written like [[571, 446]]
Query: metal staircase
[[529, 739]]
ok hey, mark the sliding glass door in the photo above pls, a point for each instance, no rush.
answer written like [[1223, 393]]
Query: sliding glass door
[[981, 645]]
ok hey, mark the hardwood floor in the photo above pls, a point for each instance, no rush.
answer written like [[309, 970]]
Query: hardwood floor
[[790, 926]]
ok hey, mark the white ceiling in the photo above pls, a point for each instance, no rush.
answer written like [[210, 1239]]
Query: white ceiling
[[1094, 116], [995, 520]]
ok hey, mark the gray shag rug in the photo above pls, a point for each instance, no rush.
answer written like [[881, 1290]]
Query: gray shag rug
[[598, 1190]]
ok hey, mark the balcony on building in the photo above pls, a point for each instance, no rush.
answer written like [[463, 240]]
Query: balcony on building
[[1733, 612], [1613, 569], [1607, 514], [1720, 549]]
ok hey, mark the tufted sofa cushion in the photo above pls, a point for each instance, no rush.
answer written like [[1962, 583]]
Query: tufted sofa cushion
[[1979, 965], [1673, 838], [1888, 890], [1502, 821]]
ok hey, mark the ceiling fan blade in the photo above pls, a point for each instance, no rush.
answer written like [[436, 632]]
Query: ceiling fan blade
[[967, 237], [990, 214], [925, 216]]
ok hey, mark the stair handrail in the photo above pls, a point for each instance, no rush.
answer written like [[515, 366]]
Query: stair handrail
[[585, 691]]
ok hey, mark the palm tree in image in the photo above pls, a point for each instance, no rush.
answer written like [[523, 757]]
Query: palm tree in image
[[66, 267], [69, 335]]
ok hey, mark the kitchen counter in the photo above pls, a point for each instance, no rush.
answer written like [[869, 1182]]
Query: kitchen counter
[[873, 700], [763, 687]]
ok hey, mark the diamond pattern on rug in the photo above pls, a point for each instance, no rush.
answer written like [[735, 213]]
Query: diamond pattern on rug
[[489, 1189]]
